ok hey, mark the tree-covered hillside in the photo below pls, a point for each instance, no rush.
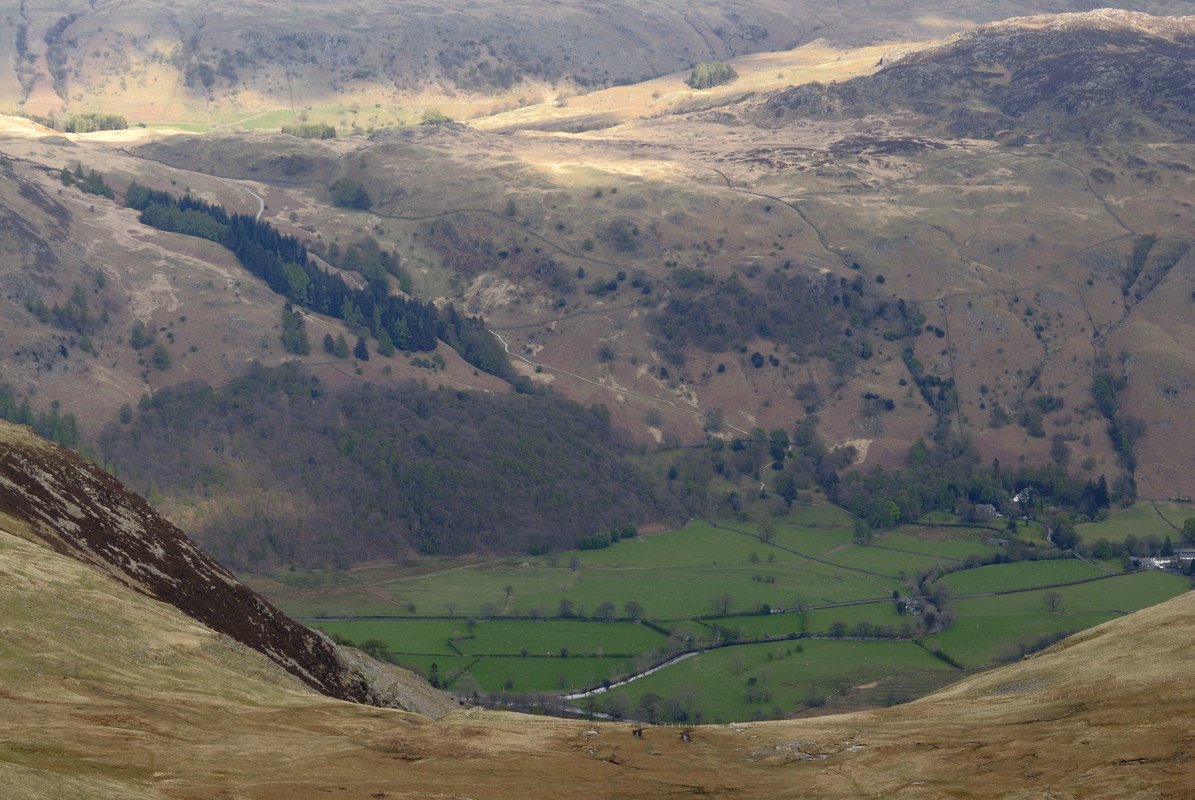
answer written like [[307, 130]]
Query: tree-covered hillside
[[277, 469]]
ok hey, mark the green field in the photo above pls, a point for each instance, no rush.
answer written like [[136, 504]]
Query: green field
[[787, 625], [1159, 519], [897, 565], [786, 675], [500, 637], [422, 637], [820, 620], [1023, 575], [988, 627], [941, 544], [527, 624], [511, 637]]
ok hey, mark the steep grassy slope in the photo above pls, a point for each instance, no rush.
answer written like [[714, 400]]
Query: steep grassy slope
[[51, 496], [108, 693]]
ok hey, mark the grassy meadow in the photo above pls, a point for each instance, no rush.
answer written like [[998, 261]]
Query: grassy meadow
[[753, 681], [781, 620]]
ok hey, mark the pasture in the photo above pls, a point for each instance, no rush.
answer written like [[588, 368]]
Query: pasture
[[989, 629], [1022, 575], [752, 681], [1158, 518], [528, 624]]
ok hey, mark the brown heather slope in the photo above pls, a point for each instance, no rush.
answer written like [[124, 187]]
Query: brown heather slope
[[192, 296], [1015, 244], [106, 693], [58, 499], [952, 179]]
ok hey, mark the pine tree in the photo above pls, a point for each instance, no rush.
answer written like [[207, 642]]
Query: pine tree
[[294, 333], [361, 350], [385, 345]]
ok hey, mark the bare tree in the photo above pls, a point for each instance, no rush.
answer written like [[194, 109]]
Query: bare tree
[[1053, 601], [721, 603]]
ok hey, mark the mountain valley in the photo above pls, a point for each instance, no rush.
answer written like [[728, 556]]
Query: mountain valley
[[109, 693], [910, 276]]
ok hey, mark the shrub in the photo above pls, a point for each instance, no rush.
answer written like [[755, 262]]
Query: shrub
[[312, 130], [711, 73], [348, 193]]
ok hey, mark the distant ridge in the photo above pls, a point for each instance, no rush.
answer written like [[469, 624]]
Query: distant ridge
[[1091, 76], [149, 61]]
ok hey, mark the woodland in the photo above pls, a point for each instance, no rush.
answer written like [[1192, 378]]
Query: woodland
[[288, 471], [278, 469]]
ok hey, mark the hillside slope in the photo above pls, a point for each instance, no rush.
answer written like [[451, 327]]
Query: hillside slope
[[151, 62], [50, 495], [891, 262], [1098, 77], [107, 693]]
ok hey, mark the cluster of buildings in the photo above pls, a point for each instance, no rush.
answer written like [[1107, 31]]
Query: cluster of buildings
[[1179, 562]]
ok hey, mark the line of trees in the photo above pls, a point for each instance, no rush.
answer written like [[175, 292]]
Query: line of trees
[[310, 130], [282, 262], [86, 122], [52, 424], [603, 539], [1123, 429]]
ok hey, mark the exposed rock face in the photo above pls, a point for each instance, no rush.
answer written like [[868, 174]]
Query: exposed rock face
[[1078, 76], [81, 511]]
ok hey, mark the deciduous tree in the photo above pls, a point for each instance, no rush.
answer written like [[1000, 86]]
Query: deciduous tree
[[1053, 601]]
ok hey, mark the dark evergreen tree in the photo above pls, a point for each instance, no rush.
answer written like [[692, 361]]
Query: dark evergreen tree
[[294, 332], [385, 344]]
